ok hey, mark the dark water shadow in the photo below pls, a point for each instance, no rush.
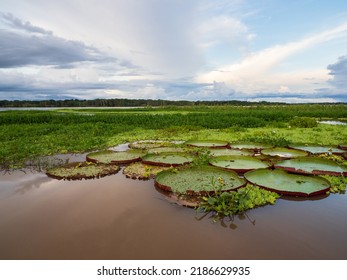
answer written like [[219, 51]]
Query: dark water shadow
[[227, 222], [304, 198]]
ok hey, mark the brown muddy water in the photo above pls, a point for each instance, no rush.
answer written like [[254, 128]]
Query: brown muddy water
[[119, 218]]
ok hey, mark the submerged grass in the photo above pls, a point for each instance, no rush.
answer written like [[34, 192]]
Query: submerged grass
[[28, 134]]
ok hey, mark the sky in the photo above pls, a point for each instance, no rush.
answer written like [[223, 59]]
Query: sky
[[265, 50]]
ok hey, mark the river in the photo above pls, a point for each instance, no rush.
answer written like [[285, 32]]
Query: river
[[119, 218]]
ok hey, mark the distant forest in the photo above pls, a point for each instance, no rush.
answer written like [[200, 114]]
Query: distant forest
[[124, 103], [117, 103]]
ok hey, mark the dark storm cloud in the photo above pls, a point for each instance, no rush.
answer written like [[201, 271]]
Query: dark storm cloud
[[24, 44], [16, 23], [338, 71], [22, 49]]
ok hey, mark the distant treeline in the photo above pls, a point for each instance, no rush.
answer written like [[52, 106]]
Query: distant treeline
[[122, 103]]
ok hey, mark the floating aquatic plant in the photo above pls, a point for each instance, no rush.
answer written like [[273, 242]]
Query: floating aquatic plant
[[139, 170], [286, 183], [82, 170], [197, 180]]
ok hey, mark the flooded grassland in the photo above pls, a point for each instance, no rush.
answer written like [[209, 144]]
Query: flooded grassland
[[115, 217]]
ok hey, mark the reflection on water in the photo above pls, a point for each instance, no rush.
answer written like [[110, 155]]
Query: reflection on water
[[333, 122], [225, 222], [119, 218], [303, 198]]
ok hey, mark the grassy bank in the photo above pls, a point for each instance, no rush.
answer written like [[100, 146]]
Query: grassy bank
[[28, 134]]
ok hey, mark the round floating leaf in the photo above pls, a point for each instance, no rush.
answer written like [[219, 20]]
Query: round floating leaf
[[108, 156], [167, 159], [229, 152], [82, 170], [283, 152], [314, 149], [144, 145], [166, 150], [312, 165], [198, 180], [238, 163], [285, 183], [250, 146], [141, 171], [208, 143]]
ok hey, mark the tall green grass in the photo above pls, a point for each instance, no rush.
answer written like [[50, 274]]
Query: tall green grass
[[28, 134]]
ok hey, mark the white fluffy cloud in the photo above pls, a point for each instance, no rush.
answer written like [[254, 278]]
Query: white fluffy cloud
[[257, 72], [153, 49]]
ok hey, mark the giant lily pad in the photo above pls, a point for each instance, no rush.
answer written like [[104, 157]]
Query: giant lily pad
[[82, 170], [283, 152], [285, 183], [229, 152], [108, 156], [238, 163], [167, 159], [170, 149], [207, 143], [314, 149], [250, 146], [198, 180], [144, 145], [312, 165], [138, 170]]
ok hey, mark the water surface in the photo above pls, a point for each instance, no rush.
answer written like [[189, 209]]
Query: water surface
[[119, 218]]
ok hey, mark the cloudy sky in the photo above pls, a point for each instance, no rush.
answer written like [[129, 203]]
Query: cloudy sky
[[273, 50]]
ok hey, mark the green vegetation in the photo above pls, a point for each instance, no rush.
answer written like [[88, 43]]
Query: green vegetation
[[238, 163], [338, 183], [283, 152], [167, 159], [288, 184], [315, 149], [108, 156], [141, 171], [313, 165], [303, 122], [26, 135], [82, 170], [207, 143], [198, 180], [224, 204]]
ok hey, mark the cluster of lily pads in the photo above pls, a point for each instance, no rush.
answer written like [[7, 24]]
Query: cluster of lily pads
[[188, 168]]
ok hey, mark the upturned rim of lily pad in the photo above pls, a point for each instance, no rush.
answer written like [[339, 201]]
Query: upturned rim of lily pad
[[208, 143], [284, 152], [320, 149], [148, 144], [229, 152], [297, 165], [255, 146], [342, 146]]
